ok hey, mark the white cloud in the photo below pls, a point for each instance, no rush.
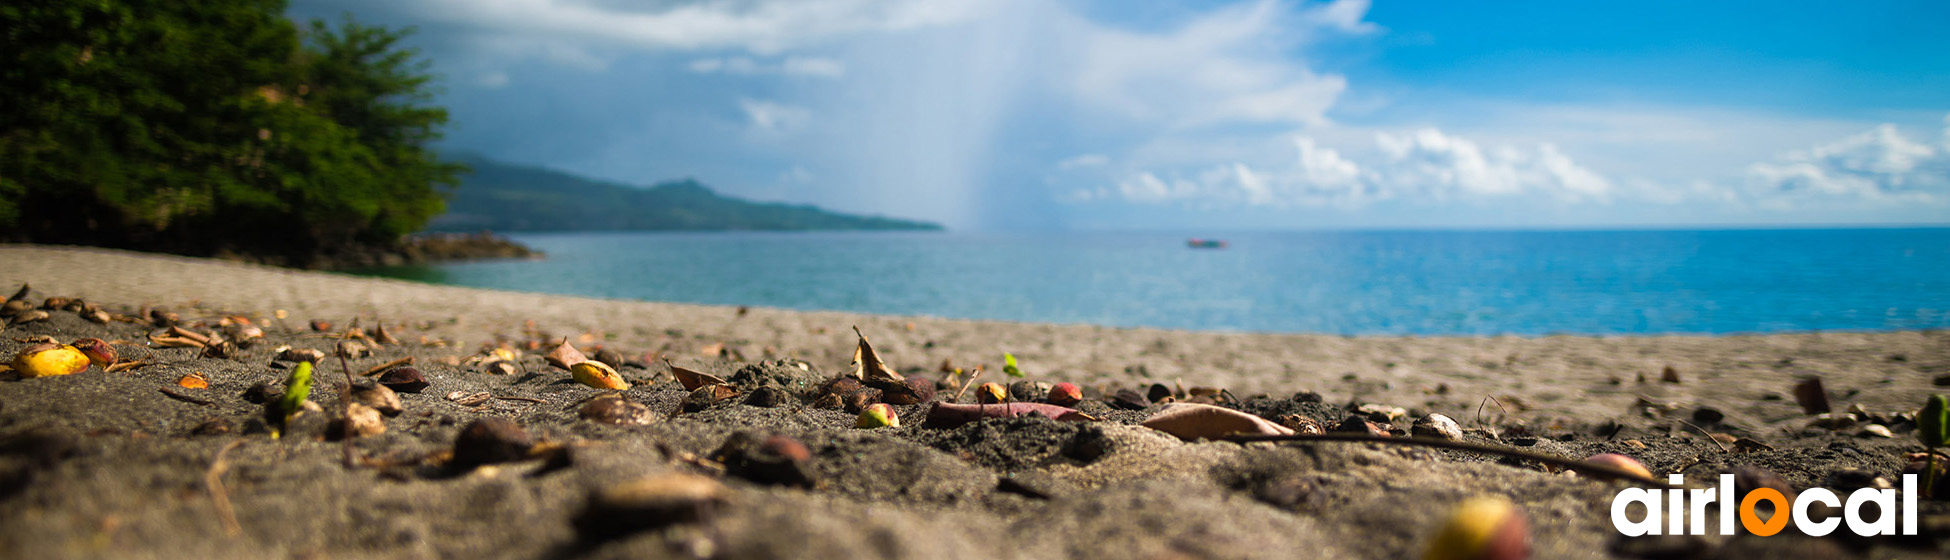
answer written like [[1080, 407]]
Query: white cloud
[[1231, 66], [790, 66], [1875, 164], [1425, 165], [761, 26], [1084, 160], [492, 80], [773, 117]]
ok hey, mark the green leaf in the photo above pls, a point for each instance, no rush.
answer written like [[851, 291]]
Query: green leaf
[[296, 390], [1933, 422], [1009, 365]]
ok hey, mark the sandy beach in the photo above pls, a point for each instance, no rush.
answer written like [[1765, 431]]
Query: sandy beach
[[107, 465]]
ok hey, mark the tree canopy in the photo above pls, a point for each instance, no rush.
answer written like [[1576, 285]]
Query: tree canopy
[[213, 128]]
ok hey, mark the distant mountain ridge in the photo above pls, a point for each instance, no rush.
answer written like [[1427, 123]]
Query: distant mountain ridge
[[506, 197]]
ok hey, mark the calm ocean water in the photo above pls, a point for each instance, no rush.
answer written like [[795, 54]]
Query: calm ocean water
[[1423, 283]]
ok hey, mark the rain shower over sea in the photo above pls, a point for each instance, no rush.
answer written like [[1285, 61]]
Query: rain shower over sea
[[1354, 283]]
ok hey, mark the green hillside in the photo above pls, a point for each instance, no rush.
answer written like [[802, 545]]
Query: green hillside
[[504, 197]]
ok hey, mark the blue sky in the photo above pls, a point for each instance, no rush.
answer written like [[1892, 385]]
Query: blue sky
[[1055, 114]]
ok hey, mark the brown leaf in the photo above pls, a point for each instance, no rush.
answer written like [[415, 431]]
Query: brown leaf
[[867, 365], [692, 379], [565, 356], [949, 415], [1191, 421]]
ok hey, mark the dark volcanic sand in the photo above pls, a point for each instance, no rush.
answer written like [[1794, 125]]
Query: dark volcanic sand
[[106, 465]]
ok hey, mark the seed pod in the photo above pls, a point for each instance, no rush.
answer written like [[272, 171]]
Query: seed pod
[[1065, 394], [404, 379], [28, 316], [599, 375], [290, 354], [1621, 462], [378, 397], [991, 393], [1482, 528], [98, 352], [614, 409], [49, 359], [96, 316], [1437, 426], [1129, 400], [55, 302], [14, 307], [880, 415]]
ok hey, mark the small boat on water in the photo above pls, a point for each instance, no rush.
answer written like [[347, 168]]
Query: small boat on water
[[1199, 243]]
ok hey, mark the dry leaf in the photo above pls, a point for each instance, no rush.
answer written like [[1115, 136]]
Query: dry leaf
[[1810, 395], [565, 356], [949, 415], [692, 379], [867, 365], [1191, 421]]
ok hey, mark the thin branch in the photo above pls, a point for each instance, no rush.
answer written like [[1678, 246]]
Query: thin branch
[[381, 368], [345, 397], [1709, 437], [1583, 466], [213, 482]]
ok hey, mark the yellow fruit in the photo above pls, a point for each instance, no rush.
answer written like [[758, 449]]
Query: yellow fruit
[[49, 359], [879, 415], [1482, 528], [599, 375]]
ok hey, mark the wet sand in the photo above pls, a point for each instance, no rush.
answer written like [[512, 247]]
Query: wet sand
[[101, 464]]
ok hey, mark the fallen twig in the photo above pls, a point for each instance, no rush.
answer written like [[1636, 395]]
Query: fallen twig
[[1593, 468], [523, 399], [1709, 437], [213, 482], [345, 400], [381, 368], [964, 386]]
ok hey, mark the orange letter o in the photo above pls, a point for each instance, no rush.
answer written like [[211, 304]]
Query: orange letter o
[[1751, 521]]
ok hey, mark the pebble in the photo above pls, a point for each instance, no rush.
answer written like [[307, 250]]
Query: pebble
[[1705, 415], [1437, 426], [650, 502], [490, 440], [767, 397]]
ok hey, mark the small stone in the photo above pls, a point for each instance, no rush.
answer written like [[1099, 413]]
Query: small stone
[[1159, 394], [1704, 415], [1669, 375], [1129, 400], [362, 421], [650, 502], [312, 355], [378, 397], [1833, 421], [613, 409], [403, 379], [768, 397], [490, 440], [1876, 431], [1437, 426], [1029, 391]]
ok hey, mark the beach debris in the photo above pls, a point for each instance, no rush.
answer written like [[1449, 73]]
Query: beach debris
[[385, 367], [500, 367], [708, 395], [599, 375], [1708, 416], [193, 380], [353, 349], [380, 335], [867, 365], [692, 379], [1748, 478], [991, 393], [859, 400], [1875, 431], [13, 307], [403, 379], [1437, 426], [179, 337], [297, 388], [615, 410], [1621, 462], [28, 316], [49, 359], [289, 354], [359, 421], [651, 502], [1669, 375], [1029, 391], [913, 391], [767, 396], [1064, 394], [163, 318], [1812, 398], [1381, 412], [1482, 528], [878, 415], [565, 356], [96, 316], [98, 351], [949, 415], [1360, 425], [321, 325], [610, 356], [465, 398], [239, 329], [377, 397], [1933, 431], [1193, 421], [488, 440], [1158, 393], [1009, 366], [1128, 399], [778, 460]]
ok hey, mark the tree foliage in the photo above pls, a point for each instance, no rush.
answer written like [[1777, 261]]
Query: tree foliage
[[213, 127]]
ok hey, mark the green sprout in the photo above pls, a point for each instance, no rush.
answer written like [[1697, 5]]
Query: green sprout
[[1933, 429], [296, 389], [1009, 365]]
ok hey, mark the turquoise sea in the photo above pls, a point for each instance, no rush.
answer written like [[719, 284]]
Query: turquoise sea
[[1398, 283]]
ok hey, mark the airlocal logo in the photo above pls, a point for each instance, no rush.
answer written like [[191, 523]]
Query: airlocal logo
[[1677, 502]]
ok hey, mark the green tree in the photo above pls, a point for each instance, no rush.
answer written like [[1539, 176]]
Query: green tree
[[212, 127]]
